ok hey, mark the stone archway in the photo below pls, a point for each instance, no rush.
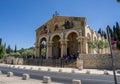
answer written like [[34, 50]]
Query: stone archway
[[56, 50], [71, 31], [72, 45]]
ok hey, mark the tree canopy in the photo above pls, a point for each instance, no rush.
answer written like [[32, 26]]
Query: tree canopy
[[2, 49]]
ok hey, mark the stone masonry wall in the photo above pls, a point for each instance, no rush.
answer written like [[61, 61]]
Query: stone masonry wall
[[99, 61]]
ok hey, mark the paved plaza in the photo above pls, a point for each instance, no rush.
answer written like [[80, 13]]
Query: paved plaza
[[95, 74], [18, 80], [58, 69]]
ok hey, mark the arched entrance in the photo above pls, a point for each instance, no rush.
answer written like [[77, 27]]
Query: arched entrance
[[72, 46], [43, 47], [56, 50]]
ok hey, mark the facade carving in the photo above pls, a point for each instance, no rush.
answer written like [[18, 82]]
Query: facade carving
[[63, 35]]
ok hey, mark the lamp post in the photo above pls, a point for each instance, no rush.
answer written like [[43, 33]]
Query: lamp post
[[113, 61]]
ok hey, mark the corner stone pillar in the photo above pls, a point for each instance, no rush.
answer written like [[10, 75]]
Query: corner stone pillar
[[85, 48], [37, 49]]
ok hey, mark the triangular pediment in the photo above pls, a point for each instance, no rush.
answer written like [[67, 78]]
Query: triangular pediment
[[59, 23]]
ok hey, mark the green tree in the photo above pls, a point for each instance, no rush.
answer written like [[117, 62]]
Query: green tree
[[118, 45], [9, 50], [2, 51], [15, 50], [100, 31], [106, 44], [114, 33], [21, 50], [99, 44], [91, 44], [118, 31], [118, 0], [0, 41], [111, 32]]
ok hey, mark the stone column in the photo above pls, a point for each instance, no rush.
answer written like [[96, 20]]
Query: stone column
[[62, 49], [47, 52], [80, 44], [63, 43], [84, 46], [49, 49], [65, 47]]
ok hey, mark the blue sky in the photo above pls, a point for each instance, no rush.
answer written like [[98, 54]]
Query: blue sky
[[20, 18]]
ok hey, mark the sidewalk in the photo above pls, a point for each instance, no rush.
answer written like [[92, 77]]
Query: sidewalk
[[65, 70], [17, 80]]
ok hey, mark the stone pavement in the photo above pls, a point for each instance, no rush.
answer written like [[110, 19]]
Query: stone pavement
[[18, 80], [66, 70]]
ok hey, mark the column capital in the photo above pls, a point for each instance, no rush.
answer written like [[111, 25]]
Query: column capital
[[49, 43], [63, 41]]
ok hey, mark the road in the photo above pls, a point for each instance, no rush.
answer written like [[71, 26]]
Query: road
[[62, 77]]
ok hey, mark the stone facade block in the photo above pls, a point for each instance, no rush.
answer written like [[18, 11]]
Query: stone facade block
[[10, 74], [25, 77], [47, 79], [74, 81]]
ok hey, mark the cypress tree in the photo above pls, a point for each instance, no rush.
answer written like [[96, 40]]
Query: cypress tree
[[0, 41], [99, 31], [118, 31], [9, 50], [114, 33], [15, 50]]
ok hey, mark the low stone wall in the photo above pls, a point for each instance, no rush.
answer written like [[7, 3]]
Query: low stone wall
[[13, 60], [99, 61], [87, 61]]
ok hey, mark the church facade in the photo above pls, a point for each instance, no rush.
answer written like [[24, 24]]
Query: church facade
[[65, 35]]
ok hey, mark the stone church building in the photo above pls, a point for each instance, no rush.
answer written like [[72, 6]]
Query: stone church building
[[65, 35]]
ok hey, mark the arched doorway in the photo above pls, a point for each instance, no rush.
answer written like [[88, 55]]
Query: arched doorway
[[43, 47], [56, 50], [72, 46]]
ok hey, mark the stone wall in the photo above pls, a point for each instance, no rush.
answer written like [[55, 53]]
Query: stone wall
[[13, 60], [99, 61], [91, 61]]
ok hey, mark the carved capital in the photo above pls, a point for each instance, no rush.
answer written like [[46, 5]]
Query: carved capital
[[63, 41]]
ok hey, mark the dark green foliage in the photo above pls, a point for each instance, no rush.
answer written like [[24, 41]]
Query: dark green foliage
[[27, 52], [21, 50], [118, 31], [118, 0], [15, 50], [9, 50], [0, 41], [111, 31], [99, 31], [102, 33], [118, 45], [115, 33], [2, 51]]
